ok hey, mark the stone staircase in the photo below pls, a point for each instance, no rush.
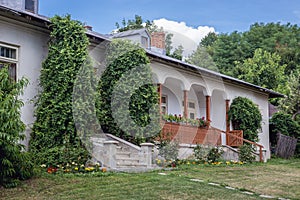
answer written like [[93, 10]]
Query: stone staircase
[[119, 155]]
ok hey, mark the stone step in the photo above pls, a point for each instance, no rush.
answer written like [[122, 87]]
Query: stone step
[[128, 162], [131, 165], [124, 154]]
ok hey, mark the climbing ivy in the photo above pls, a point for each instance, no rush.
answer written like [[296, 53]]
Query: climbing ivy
[[55, 139], [245, 115], [126, 97], [14, 164]]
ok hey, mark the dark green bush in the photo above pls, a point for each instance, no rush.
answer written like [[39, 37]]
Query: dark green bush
[[245, 115], [55, 138], [283, 123], [125, 95]]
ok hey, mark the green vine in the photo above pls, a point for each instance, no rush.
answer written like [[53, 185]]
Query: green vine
[[55, 139], [245, 115], [127, 67]]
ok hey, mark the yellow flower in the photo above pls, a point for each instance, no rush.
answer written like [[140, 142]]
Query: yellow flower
[[76, 168]]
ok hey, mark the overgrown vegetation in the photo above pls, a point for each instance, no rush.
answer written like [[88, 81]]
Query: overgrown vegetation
[[127, 102], [54, 139], [15, 164], [246, 153], [285, 124], [207, 153], [245, 115]]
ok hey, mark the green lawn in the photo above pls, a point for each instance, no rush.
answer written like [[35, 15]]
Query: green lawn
[[278, 178]]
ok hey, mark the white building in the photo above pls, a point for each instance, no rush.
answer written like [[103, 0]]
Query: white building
[[185, 89]]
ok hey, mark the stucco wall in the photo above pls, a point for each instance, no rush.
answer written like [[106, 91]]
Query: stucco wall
[[199, 86], [32, 47], [261, 100]]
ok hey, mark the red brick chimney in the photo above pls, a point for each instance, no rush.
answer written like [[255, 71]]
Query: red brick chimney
[[158, 40]]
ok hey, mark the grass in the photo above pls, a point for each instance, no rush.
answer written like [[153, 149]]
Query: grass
[[278, 178]]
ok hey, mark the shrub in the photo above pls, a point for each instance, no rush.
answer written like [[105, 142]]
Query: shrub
[[126, 94], [245, 115], [283, 123], [246, 153], [14, 164], [214, 154], [201, 153], [207, 154], [55, 137], [169, 150]]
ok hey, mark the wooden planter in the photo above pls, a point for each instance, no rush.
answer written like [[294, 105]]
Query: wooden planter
[[187, 134]]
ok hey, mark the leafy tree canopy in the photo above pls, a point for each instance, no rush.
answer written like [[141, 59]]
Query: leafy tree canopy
[[264, 69]]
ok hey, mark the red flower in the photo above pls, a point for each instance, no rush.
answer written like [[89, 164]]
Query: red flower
[[51, 170]]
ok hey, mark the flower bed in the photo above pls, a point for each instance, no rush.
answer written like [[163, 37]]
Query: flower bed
[[73, 168]]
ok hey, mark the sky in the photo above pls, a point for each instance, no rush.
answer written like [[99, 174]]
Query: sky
[[188, 20]]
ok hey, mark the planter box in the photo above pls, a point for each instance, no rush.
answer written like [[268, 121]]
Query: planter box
[[187, 134]]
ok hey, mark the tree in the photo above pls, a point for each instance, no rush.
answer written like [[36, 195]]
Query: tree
[[209, 39], [14, 164], [228, 49], [168, 41], [291, 104], [54, 139], [275, 37], [136, 23], [264, 69], [201, 58], [127, 99], [177, 53], [245, 115]]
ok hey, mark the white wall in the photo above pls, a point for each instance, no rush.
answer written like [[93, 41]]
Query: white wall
[[261, 100], [33, 49], [179, 80], [32, 45]]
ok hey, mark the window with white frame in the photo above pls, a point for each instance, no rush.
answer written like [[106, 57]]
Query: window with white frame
[[9, 57]]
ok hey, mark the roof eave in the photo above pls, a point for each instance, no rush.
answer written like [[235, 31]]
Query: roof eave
[[271, 93]]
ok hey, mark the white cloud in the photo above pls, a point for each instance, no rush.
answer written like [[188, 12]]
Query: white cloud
[[189, 37]]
